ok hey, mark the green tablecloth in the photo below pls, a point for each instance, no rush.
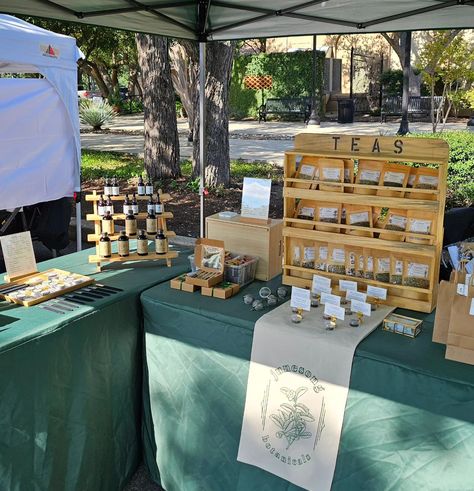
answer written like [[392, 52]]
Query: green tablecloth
[[70, 385], [409, 420]]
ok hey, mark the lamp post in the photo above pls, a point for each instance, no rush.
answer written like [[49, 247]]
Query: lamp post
[[314, 118], [406, 37]]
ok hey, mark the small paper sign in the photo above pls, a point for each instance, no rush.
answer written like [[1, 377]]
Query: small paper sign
[[334, 311], [361, 307], [454, 255], [470, 266], [321, 284], [18, 254], [256, 198], [377, 292], [471, 311], [300, 298], [462, 289], [331, 299], [346, 285], [359, 296]]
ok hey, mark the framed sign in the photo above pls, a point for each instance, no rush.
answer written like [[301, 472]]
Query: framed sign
[[256, 198]]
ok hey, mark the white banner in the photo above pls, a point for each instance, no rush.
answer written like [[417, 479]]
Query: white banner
[[296, 394]]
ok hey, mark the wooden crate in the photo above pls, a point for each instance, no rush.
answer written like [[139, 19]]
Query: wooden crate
[[255, 239], [386, 149]]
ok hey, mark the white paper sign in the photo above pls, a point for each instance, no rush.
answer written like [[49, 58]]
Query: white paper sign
[[256, 198], [470, 266], [329, 298], [471, 311], [359, 296], [334, 311], [462, 289], [377, 292], [362, 307], [346, 285], [321, 284], [454, 255], [300, 298], [18, 254]]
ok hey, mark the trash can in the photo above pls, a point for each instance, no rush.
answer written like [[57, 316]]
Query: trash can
[[345, 111]]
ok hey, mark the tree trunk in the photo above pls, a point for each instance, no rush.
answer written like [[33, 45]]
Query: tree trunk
[[218, 64], [161, 130], [406, 37]]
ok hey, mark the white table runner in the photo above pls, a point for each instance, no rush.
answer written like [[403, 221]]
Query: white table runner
[[296, 394]]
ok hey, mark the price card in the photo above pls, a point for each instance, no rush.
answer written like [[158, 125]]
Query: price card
[[377, 292], [359, 296], [332, 299], [321, 284], [300, 298], [471, 311], [362, 307], [334, 311], [470, 266], [462, 289], [346, 285], [18, 254]]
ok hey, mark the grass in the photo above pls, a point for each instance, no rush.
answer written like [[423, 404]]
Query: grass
[[97, 164]]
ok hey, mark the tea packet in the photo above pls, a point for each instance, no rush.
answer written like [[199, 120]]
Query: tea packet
[[359, 216], [305, 210], [416, 272], [349, 175], [354, 261], [328, 213], [420, 222], [425, 178], [395, 220], [382, 266], [295, 251], [309, 255], [368, 264], [393, 175], [368, 172], [321, 256], [396, 269], [308, 169], [331, 171], [336, 259]]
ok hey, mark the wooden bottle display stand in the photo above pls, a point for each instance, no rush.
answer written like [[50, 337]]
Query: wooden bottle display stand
[[133, 256], [386, 149]]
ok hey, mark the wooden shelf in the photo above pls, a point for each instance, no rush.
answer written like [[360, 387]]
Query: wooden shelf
[[120, 216], [96, 197], [133, 256], [95, 238]]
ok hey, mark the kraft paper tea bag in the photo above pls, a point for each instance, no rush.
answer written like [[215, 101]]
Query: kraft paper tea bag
[[331, 171], [336, 259], [368, 264], [359, 216], [425, 178], [416, 272], [308, 170], [395, 220], [396, 269], [328, 213], [305, 210], [393, 175], [349, 175], [381, 266], [368, 172], [420, 222]]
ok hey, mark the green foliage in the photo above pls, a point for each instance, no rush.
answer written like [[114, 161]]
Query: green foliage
[[97, 164], [291, 74], [95, 113], [392, 82], [460, 168]]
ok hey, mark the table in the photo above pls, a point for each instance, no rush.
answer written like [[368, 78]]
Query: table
[[409, 420], [70, 385]]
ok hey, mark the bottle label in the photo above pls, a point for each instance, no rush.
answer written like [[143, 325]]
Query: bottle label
[[115, 190], [141, 190], [148, 189], [101, 210], [126, 209], [107, 190], [151, 208], [142, 246], [108, 226], [159, 208], [151, 225], [105, 249], [131, 227], [161, 246], [135, 209], [109, 208], [123, 247]]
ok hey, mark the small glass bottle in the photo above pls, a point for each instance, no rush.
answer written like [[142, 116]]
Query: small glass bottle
[[108, 223], [105, 249], [142, 243], [141, 187], [115, 187], [151, 225], [123, 244], [148, 186], [161, 243], [158, 205], [101, 206], [134, 205], [127, 204], [150, 207], [131, 224], [107, 187], [109, 206]]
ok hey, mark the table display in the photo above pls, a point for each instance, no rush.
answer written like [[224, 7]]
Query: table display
[[71, 381], [382, 226], [408, 421]]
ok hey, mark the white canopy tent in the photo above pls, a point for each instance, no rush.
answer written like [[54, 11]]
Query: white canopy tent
[[214, 20], [39, 123]]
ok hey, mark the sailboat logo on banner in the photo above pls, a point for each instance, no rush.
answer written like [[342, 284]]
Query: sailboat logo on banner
[[50, 51]]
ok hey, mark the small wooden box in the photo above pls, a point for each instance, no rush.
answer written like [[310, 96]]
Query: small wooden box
[[224, 291], [179, 283], [399, 324], [209, 259], [255, 239]]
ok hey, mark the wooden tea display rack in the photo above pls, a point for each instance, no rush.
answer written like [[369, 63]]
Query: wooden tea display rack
[[386, 149], [133, 256]]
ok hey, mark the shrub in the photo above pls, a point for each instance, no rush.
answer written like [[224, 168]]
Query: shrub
[[95, 114], [461, 166]]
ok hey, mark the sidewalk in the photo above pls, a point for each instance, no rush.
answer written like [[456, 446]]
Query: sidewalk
[[249, 140]]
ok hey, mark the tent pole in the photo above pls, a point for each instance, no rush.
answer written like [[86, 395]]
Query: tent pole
[[202, 130], [78, 227]]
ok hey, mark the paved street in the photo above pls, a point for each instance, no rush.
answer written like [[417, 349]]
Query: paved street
[[249, 139]]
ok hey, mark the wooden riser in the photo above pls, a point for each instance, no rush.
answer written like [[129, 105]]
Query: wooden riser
[[164, 197], [95, 238], [133, 257], [90, 217]]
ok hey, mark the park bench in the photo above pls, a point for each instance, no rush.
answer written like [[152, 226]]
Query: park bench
[[295, 106], [417, 105]]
